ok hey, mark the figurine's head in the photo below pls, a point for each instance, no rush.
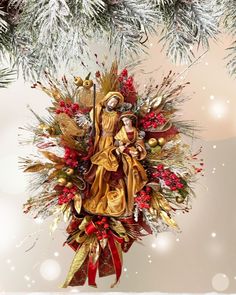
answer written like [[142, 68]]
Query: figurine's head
[[112, 100], [128, 119]]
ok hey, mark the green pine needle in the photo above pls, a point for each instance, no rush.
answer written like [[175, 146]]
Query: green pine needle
[[6, 77]]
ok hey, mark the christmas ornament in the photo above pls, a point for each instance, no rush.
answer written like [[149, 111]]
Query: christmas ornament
[[179, 199], [114, 170], [62, 181], [78, 81], [69, 184], [152, 142], [87, 84], [161, 141], [69, 171]]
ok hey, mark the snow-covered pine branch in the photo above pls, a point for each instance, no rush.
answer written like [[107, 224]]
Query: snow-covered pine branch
[[229, 22], [44, 34]]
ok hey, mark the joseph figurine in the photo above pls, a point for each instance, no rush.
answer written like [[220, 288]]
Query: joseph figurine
[[106, 196]]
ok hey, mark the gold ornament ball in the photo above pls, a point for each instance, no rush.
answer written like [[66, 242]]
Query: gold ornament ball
[[161, 141], [62, 181], [179, 199], [152, 142], [69, 171], [69, 184], [87, 84], [78, 81]]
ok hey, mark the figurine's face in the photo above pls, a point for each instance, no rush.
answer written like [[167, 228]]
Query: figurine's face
[[112, 103], [127, 122]]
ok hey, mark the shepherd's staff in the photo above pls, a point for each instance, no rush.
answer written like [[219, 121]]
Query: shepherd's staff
[[94, 110]]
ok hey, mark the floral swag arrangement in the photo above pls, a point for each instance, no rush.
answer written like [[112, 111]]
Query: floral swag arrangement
[[111, 163]]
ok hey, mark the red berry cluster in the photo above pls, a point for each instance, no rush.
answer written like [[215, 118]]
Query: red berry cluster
[[66, 195], [198, 170], [143, 198], [68, 108], [127, 88], [153, 120], [98, 74], [102, 226], [171, 179], [70, 157]]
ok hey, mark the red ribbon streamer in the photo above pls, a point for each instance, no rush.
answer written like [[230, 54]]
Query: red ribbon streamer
[[92, 271], [115, 254], [92, 267]]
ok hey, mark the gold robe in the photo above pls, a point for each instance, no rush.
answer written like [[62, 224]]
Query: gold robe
[[105, 128], [118, 200], [135, 174], [104, 198]]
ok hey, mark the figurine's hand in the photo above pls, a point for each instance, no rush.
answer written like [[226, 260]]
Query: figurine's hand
[[139, 148], [117, 151], [121, 148], [134, 153]]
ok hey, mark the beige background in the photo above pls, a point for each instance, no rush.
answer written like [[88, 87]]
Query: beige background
[[200, 259]]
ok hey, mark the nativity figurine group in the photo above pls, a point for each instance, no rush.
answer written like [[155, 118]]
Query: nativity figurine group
[[115, 174]]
